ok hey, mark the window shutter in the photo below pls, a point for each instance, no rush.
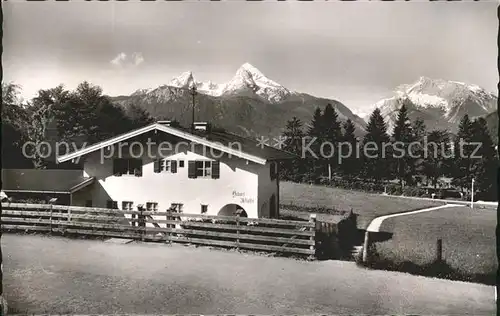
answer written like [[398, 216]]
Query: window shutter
[[215, 169], [116, 167], [137, 167], [173, 166], [191, 169], [157, 166]]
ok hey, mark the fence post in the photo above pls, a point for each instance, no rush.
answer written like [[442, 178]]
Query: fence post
[[238, 232], [366, 245], [69, 214], [439, 250], [169, 226], [141, 224], [312, 219], [52, 201]]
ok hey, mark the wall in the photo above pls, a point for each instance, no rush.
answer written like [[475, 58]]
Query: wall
[[238, 183], [267, 188]]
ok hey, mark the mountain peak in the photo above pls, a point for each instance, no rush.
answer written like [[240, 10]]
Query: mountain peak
[[249, 68], [441, 102], [185, 80]]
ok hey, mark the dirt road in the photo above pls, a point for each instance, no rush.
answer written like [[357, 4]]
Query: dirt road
[[58, 275]]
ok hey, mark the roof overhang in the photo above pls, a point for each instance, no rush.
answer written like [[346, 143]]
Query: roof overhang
[[37, 191], [82, 185], [72, 190], [165, 129]]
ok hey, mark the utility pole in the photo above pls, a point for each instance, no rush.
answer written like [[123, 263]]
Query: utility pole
[[472, 195], [193, 93]]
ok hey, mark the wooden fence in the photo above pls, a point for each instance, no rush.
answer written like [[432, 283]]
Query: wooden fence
[[282, 236]]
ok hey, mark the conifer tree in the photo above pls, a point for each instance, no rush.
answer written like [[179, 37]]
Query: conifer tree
[[484, 162], [350, 166], [461, 166], [333, 136], [293, 169], [402, 136], [315, 136], [419, 132], [374, 149], [435, 158]]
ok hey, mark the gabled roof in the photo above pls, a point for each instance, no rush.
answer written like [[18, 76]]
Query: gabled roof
[[247, 148], [44, 181]]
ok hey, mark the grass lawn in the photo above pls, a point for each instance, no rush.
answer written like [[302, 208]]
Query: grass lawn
[[368, 206], [469, 243]]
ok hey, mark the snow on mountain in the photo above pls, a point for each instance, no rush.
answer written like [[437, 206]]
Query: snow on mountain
[[440, 103], [185, 80], [142, 91], [250, 78], [249, 100], [247, 79]]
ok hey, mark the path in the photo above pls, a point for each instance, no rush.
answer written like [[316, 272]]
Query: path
[[58, 275], [461, 202], [375, 224]]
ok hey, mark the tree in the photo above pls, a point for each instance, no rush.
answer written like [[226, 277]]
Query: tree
[[484, 162], [14, 119], [374, 149], [293, 169], [42, 111], [350, 166], [461, 168], [315, 135], [437, 151], [87, 112], [139, 117], [402, 137], [419, 132], [333, 136]]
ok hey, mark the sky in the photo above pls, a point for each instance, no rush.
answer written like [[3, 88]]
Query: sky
[[354, 52]]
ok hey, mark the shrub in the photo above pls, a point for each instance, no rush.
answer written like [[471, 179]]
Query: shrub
[[414, 191]]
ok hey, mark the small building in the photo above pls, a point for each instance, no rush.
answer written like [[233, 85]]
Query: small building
[[197, 171], [35, 185]]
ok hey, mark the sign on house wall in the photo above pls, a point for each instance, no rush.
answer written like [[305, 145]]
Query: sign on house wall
[[242, 198]]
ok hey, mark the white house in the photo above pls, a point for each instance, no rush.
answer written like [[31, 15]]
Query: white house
[[199, 170]]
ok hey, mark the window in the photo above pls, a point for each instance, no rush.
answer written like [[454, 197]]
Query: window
[[204, 209], [151, 206], [176, 207], [181, 163], [112, 204], [164, 165], [203, 169], [127, 166], [127, 205], [88, 203]]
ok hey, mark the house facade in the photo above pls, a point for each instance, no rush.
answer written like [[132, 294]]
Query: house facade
[[196, 171]]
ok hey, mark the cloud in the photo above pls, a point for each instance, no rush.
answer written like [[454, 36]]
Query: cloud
[[123, 60], [137, 58]]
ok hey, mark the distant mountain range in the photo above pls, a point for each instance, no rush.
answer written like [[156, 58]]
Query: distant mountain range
[[249, 104], [252, 104], [441, 104]]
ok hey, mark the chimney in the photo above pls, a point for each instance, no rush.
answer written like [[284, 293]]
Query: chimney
[[201, 126], [164, 123]]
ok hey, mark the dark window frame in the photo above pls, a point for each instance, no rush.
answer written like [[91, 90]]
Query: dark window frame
[[127, 167], [204, 208], [203, 168]]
